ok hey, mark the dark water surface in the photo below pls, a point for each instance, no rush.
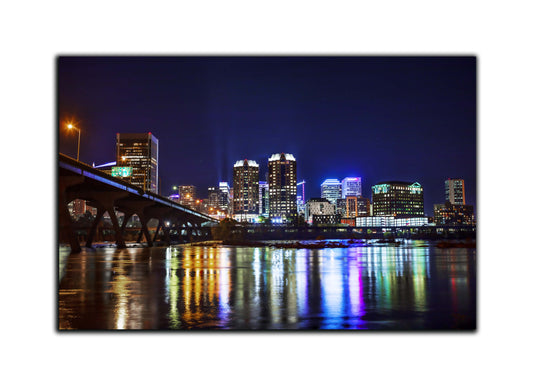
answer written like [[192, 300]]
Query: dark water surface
[[414, 286]]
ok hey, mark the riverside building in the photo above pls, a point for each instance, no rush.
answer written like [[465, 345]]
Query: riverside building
[[454, 190], [224, 195], [187, 195], [320, 211], [390, 221], [357, 206], [213, 197], [453, 214], [351, 186], [282, 188], [396, 198], [331, 189], [246, 190], [140, 151]]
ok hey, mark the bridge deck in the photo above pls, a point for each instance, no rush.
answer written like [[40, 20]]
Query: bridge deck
[[80, 181]]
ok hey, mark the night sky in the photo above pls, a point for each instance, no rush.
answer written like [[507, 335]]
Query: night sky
[[380, 118]]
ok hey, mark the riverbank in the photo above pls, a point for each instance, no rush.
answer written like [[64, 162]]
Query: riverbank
[[322, 244]]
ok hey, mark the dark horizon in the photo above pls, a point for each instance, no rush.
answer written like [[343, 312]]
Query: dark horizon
[[379, 118]]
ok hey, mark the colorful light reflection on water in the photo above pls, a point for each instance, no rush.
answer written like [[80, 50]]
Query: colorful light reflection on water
[[413, 286]]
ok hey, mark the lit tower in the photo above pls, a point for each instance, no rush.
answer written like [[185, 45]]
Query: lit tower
[[351, 186], [331, 189], [454, 189], [300, 199], [245, 190], [140, 151], [282, 188]]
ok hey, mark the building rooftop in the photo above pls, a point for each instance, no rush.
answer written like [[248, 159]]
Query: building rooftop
[[275, 157], [318, 200], [396, 183], [250, 163], [330, 181]]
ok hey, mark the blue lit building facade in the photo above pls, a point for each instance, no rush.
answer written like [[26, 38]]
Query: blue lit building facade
[[351, 187], [331, 189]]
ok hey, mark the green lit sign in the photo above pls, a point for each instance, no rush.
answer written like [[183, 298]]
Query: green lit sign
[[121, 171], [415, 188], [383, 188]]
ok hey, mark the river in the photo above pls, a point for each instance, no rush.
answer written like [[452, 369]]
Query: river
[[414, 286]]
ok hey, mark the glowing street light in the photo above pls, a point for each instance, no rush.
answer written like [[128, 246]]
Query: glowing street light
[[70, 126]]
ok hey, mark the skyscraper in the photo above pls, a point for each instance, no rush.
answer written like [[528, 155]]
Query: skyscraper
[[395, 198], [331, 189], [245, 190], [140, 151], [282, 188], [357, 206], [213, 197], [187, 194], [263, 198], [454, 190], [224, 195], [351, 186]]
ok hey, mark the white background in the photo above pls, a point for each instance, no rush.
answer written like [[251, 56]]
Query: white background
[[34, 33]]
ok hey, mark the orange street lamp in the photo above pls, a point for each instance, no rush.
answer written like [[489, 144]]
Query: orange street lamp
[[70, 126]]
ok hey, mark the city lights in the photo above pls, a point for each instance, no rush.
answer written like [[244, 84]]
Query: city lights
[[213, 226], [70, 126]]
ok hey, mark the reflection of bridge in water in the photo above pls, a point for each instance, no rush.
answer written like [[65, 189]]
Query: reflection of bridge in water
[[109, 194]]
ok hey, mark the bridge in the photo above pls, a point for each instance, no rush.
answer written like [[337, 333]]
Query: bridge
[[109, 194]]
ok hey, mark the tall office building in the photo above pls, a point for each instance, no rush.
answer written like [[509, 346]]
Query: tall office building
[[454, 189], [140, 151], [245, 190], [300, 205], [224, 195], [340, 207], [213, 197], [351, 186], [331, 189], [187, 195], [357, 206], [395, 198], [282, 188], [263, 198]]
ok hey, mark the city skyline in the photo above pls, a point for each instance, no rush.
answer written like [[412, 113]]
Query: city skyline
[[381, 118]]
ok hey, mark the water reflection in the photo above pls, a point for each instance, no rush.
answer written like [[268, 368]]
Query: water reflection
[[188, 287]]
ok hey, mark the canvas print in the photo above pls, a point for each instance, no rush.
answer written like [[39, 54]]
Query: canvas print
[[266, 193]]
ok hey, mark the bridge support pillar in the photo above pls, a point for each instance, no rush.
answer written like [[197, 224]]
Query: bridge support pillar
[[118, 232], [127, 216], [166, 234], [157, 231], [65, 221], [166, 231], [138, 208], [144, 230], [99, 213], [106, 201]]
